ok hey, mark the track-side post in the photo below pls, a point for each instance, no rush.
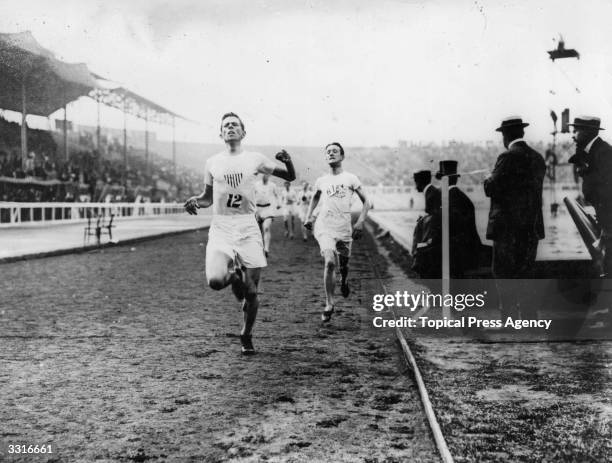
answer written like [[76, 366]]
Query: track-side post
[[445, 245]]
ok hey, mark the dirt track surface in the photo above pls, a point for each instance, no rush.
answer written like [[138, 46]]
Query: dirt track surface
[[530, 402], [125, 355]]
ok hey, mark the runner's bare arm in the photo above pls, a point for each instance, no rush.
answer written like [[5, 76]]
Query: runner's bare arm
[[313, 204], [203, 200], [358, 227]]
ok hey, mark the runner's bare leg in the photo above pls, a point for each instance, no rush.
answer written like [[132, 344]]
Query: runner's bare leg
[[344, 268], [219, 268], [251, 301], [329, 278], [267, 234], [291, 225]]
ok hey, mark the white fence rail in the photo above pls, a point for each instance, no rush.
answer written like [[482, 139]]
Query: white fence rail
[[13, 214]]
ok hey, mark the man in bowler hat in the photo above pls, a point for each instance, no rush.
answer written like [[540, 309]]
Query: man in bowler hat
[[465, 242], [515, 223], [593, 160], [427, 236]]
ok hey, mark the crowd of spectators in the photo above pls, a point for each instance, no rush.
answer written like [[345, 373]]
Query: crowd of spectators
[[87, 175], [395, 166]]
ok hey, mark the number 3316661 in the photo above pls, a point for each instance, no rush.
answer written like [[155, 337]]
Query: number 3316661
[[29, 448]]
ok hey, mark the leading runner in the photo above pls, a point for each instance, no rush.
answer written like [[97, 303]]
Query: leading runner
[[234, 252]]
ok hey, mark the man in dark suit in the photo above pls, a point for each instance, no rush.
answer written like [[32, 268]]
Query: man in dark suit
[[593, 160], [515, 223], [465, 242], [427, 236], [433, 200]]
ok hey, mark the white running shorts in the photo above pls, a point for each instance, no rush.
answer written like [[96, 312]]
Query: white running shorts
[[334, 235], [236, 235]]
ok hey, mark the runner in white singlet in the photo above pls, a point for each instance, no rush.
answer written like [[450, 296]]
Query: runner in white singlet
[[234, 252], [333, 229], [304, 197], [266, 200], [289, 202]]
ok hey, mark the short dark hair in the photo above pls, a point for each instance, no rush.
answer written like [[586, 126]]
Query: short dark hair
[[337, 144], [230, 114]]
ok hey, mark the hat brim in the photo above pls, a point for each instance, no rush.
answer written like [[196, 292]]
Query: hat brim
[[439, 175], [585, 126], [502, 128]]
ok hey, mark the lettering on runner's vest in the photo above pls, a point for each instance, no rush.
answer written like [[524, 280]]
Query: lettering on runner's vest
[[337, 190], [233, 180]]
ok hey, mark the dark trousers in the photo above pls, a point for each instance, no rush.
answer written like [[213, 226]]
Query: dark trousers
[[607, 261], [514, 256]]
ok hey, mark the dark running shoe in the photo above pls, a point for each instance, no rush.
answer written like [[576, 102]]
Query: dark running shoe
[[326, 315], [345, 290], [239, 285], [247, 344]]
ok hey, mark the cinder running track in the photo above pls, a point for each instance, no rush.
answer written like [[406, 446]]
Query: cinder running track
[[125, 355]]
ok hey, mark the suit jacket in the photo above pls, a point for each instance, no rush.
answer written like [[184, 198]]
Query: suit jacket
[[433, 200], [427, 246], [597, 182], [465, 242], [515, 189], [427, 237]]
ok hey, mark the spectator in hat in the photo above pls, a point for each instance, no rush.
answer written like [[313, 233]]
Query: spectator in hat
[[515, 223], [465, 242], [427, 235], [30, 164], [422, 180], [593, 160]]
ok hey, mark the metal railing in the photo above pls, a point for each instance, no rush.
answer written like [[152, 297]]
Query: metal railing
[[14, 214]]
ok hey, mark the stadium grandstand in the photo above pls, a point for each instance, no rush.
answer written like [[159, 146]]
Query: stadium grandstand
[[75, 163]]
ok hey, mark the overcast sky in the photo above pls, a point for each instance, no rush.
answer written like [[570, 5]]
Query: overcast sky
[[360, 72]]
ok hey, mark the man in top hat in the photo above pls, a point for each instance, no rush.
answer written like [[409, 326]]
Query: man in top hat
[[427, 235], [515, 223], [593, 160], [433, 199], [464, 239]]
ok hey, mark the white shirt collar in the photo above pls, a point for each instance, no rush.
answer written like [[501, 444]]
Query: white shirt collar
[[451, 187], [426, 188], [588, 147], [514, 141]]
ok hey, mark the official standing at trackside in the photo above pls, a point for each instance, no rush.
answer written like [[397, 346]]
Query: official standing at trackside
[[515, 222], [465, 242], [593, 160]]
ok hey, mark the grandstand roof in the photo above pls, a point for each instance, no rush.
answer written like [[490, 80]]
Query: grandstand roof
[[48, 82], [113, 94]]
